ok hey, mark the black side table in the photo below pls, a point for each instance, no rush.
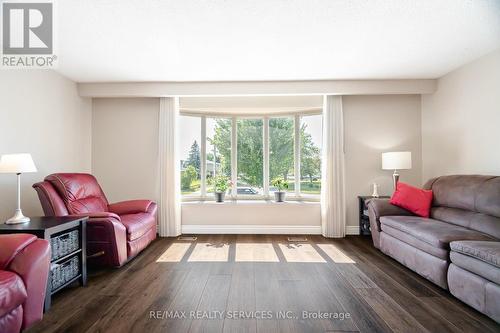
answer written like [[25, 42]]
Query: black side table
[[67, 238], [364, 219]]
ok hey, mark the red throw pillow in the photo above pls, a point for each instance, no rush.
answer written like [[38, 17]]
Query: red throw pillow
[[411, 198]]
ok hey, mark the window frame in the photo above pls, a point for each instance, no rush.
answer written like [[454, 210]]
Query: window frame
[[296, 115]]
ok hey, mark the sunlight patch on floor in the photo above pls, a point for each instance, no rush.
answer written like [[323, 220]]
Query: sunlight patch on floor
[[301, 253], [259, 252], [174, 253], [210, 252], [336, 254]]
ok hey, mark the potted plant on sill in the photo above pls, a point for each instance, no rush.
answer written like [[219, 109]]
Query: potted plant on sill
[[281, 184], [221, 184]]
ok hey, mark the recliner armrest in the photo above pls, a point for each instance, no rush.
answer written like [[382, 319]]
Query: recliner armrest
[[130, 207], [32, 265], [12, 245], [99, 215]]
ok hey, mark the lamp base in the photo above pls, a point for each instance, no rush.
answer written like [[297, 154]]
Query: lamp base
[[18, 218], [395, 179]]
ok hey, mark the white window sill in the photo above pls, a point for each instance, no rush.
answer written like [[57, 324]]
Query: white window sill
[[248, 202], [261, 199]]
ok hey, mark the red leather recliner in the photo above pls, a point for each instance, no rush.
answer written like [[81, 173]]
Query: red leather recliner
[[120, 230], [24, 270]]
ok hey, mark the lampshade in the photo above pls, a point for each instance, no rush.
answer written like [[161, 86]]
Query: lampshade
[[17, 163], [398, 160]]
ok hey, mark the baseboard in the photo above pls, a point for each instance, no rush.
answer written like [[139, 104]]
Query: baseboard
[[352, 230], [260, 229], [252, 229]]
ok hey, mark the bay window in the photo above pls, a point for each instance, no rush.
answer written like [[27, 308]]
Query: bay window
[[252, 151]]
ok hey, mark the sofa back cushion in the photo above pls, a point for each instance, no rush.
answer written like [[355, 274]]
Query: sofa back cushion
[[80, 192], [471, 201]]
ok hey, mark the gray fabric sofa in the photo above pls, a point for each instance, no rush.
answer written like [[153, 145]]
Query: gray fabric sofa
[[457, 247]]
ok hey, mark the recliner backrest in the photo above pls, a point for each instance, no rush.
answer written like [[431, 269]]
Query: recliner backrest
[[80, 192], [51, 201], [471, 201]]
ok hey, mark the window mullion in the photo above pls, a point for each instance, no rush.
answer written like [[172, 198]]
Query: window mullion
[[296, 155], [234, 158], [266, 156], [203, 164]]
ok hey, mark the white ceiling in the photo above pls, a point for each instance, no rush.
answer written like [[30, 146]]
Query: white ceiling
[[222, 40]]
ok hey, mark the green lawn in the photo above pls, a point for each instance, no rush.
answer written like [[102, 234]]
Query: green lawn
[[307, 187]]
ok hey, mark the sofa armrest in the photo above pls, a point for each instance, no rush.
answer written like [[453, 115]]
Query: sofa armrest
[[130, 207], [378, 208], [32, 265], [382, 207], [107, 234]]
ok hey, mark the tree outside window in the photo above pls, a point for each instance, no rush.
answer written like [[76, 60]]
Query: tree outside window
[[250, 154]]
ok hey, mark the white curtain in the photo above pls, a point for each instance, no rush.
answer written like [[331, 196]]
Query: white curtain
[[333, 210], [170, 191]]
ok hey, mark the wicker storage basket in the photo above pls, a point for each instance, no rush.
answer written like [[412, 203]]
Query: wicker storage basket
[[64, 244], [65, 271]]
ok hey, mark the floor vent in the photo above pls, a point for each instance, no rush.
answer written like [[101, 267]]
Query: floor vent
[[187, 238], [297, 239]]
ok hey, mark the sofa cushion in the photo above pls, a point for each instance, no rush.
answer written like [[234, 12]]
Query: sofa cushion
[[421, 245], [12, 292], [469, 192], [486, 224], [414, 199], [137, 225], [433, 232], [476, 266], [471, 201], [425, 264], [488, 252], [481, 294]]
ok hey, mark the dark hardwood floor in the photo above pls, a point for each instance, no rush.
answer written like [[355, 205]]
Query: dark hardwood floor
[[344, 277]]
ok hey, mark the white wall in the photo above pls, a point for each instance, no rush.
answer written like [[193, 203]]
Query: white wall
[[373, 125], [41, 113], [461, 121], [254, 213], [125, 147]]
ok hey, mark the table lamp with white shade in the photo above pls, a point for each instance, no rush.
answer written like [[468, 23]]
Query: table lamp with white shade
[[18, 164], [398, 160]]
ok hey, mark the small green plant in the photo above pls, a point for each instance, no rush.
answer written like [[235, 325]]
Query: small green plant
[[221, 183], [280, 183]]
